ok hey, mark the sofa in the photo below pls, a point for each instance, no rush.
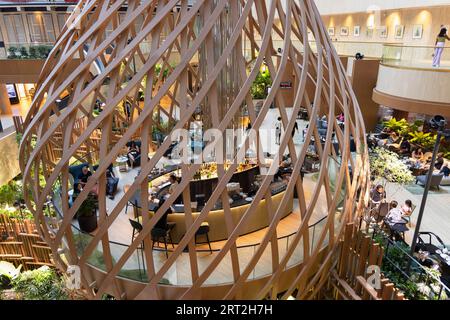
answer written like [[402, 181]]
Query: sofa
[[436, 180], [445, 181]]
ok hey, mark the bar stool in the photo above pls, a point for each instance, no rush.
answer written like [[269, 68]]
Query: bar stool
[[203, 230], [158, 234]]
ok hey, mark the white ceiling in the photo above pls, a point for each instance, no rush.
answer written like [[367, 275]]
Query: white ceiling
[[328, 7]]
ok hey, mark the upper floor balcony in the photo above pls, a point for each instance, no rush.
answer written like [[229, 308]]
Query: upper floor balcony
[[408, 81]]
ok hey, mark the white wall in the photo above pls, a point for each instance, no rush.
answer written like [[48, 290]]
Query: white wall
[[328, 7]]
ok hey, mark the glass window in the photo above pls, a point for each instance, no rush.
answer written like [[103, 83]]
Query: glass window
[[62, 18], [15, 28], [41, 27]]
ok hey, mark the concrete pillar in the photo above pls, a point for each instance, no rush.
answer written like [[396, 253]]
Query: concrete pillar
[[5, 105]]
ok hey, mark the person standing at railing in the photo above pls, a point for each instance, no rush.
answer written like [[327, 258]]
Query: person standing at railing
[[440, 44]]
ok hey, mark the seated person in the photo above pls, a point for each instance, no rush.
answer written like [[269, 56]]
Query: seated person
[[173, 179], [173, 183], [439, 161], [378, 195], [395, 220], [393, 138], [405, 147], [84, 176], [445, 170], [111, 182], [406, 208], [133, 155], [162, 222], [417, 154], [385, 133], [283, 170]]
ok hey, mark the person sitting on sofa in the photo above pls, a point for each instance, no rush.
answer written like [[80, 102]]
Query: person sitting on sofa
[[133, 154], [417, 154], [440, 161], [405, 147], [84, 176], [445, 170]]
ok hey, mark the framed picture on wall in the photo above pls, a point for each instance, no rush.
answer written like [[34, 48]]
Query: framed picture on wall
[[344, 31], [369, 32], [356, 31], [417, 31], [331, 31], [399, 31], [383, 32]]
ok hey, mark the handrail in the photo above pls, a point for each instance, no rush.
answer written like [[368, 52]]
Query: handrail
[[412, 260], [197, 250], [410, 46]]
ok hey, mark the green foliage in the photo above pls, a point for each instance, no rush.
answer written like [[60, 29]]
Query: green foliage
[[398, 126], [33, 52], [19, 136], [425, 140], [260, 85], [23, 53], [387, 165], [10, 192], [8, 272], [43, 51], [89, 206], [422, 284], [12, 53], [40, 284]]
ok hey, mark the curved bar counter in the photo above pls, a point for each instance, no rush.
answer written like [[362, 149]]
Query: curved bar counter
[[216, 217]]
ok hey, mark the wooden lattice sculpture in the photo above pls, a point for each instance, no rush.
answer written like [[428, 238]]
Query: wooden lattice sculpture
[[175, 58]]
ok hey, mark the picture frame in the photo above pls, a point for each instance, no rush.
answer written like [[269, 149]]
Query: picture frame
[[356, 31], [344, 31], [417, 31], [383, 32], [399, 31], [331, 31]]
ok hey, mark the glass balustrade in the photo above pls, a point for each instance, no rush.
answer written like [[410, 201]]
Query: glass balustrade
[[419, 57]]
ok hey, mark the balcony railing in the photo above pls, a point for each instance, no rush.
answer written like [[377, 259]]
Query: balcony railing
[[414, 57], [34, 2], [26, 50]]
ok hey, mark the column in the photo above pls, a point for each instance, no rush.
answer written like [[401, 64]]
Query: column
[[5, 105]]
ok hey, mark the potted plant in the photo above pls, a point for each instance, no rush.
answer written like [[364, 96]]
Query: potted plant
[[87, 214]]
